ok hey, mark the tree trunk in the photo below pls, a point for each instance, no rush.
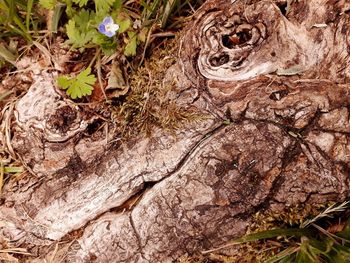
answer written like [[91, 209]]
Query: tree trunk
[[270, 79]]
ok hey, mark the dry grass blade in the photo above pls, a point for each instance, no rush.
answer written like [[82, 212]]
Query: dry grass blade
[[54, 253], [5, 95], [330, 235], [1, 176], [167, 11], [21, 251], [59, 253], [273, 233], [6, 117], [220, 248], [327, 213], [99, 76], [46, 54]]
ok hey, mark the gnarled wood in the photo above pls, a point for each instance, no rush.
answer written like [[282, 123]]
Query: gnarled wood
[[281, 80]]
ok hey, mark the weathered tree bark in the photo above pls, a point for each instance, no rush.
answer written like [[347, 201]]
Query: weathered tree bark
[[281, 78]]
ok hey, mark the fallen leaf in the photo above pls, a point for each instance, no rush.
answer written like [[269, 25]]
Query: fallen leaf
[[117, 85]]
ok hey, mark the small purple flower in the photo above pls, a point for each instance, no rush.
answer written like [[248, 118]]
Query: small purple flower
[[107, 27]]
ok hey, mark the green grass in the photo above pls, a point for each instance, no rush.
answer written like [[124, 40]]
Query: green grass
[[323, 238], [17, 17]]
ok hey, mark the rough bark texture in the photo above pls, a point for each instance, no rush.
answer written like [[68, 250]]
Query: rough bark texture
[[281, 78]]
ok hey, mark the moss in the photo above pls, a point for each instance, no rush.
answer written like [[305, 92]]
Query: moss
[[149, 104], [289, 217]]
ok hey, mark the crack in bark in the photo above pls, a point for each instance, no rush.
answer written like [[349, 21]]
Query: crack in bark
[[146, 186], [139, 241]]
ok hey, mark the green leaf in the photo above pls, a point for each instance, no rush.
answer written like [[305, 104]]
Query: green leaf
[[345, 233], [303, 257], [124, 24], [64, 82], [287, 255], [29, 13], [73, 33], [81, 85], [170, 5], [12, 10], [150, 10], [57, 13], [6, 54], [108, 48], [306, 254], [117, 4], [103, 6], [340, 254], [107, 44], [79, 31], [296, 232], [342, 250], [81, 3], [83, 18], [48, 4], [142, 35], [130, 48], [288, 259]]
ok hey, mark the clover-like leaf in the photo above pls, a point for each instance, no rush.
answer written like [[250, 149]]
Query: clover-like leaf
[[78, 30], [103, 6], [48, 4], [131, 46], [81, 3], [124, 24], [79, 86]]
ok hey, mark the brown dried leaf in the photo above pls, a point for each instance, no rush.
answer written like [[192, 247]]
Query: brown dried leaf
[[117, 85]]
